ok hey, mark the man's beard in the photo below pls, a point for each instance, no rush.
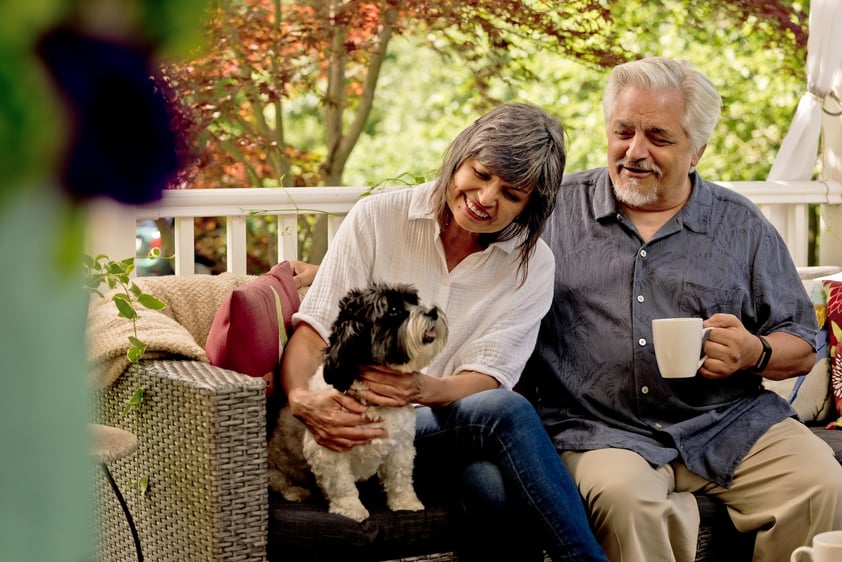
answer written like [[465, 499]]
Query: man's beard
[[629, 192]]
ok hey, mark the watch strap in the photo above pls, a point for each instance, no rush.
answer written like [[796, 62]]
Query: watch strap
[[765, 356]]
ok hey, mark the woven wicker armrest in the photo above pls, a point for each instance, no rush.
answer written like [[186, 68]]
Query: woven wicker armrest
[[202, 449]]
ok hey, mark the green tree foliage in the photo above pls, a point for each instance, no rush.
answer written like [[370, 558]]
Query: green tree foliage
[[755, 55], [273, 66], [337, 92]]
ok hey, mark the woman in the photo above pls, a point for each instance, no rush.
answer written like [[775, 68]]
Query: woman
[[469, 242]]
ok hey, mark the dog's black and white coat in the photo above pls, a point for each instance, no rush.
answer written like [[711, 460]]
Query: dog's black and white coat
[[383, 324]]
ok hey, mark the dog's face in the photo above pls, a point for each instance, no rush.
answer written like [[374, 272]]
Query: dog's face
[[383, 324]]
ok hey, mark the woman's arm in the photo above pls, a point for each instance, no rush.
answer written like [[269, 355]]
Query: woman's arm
[[336, 420], [393, 388]]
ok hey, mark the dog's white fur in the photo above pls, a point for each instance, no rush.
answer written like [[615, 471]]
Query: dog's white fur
[[295, 457]]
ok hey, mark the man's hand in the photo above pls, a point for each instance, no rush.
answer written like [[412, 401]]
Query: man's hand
[[337, 421], [729, 347]]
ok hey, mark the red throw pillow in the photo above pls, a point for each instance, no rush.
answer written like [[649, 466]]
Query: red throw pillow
[[252, 325]]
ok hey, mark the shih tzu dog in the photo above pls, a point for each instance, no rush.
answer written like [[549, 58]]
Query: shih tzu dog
[[385, 325]]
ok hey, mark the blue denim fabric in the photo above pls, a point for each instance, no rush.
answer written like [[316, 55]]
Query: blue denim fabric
[[499, 429]]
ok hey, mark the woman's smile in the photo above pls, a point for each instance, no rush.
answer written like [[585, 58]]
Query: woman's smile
[[475, 210]]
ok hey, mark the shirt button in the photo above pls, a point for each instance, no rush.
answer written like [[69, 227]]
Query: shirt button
[[640, 298], [644, 389], [643, 253], [641, 342]]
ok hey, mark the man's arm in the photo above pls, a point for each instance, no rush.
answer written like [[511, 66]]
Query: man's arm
[[731, 348]]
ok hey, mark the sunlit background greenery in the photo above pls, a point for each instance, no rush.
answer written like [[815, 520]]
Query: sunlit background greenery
[[425, 94]]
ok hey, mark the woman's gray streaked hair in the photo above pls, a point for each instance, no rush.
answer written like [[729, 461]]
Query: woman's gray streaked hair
[[702, 103], [524, 146]]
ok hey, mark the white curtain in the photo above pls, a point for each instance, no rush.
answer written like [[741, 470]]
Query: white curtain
[[796, 158]]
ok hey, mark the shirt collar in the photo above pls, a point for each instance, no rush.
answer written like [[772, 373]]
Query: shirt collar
[[421, 208], [695, 215]]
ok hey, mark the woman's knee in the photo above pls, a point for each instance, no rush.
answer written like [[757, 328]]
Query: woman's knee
[[499, 404]]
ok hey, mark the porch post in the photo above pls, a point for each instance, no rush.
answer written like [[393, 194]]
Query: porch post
[[830, 240], [111, 229]]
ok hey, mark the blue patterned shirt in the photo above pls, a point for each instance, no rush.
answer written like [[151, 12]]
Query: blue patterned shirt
[[593, 372]]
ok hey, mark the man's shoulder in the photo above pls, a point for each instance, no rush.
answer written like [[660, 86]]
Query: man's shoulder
[[727, 196]]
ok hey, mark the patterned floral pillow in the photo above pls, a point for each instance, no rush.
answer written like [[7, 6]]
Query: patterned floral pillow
[[833, 290]]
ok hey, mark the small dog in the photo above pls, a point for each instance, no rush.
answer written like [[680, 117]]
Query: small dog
[[380, 325]]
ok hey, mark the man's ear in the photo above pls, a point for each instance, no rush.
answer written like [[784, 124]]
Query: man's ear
[[698, 156]]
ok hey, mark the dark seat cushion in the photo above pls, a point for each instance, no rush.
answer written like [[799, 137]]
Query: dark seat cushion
[[307, 531], [832, 437]]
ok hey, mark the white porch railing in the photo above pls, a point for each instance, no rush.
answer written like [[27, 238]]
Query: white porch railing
[[112, 227]]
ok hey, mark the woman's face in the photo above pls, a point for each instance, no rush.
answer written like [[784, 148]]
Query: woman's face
[[482, 202]]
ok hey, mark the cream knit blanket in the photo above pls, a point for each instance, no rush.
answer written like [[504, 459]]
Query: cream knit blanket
[[181, 329]]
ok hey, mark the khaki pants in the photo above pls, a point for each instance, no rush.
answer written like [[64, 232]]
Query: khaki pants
[[787, 488]]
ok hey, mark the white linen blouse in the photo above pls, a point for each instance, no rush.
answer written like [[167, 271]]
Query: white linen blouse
[[493, 319]]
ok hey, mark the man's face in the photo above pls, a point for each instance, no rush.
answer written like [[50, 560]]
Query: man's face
[[649, 155]]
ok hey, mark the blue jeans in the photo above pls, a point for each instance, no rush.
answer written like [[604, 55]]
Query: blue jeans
[[494, 444]]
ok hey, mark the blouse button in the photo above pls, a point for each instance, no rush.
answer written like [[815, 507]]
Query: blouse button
[[640, 298], [641, 342], [643, 253]]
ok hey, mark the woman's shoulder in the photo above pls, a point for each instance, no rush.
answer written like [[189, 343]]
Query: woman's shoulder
[[543, 255], [404, 201]]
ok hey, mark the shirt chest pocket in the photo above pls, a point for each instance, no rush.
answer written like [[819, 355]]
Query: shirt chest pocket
[[704, 301]]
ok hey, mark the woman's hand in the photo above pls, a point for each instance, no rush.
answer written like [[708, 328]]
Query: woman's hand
[[390, 388], [337, 421]]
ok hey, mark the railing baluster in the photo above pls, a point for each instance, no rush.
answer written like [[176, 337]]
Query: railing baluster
[[236, 240], [287, 237], [786, 203], [185, 246]]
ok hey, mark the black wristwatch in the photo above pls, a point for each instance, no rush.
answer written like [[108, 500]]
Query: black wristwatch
[[765, 355]]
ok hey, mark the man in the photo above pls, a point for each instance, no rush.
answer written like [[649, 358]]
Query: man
[[648, 238]]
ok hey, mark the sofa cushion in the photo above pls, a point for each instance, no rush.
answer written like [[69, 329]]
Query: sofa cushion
[[300, 532], [810, 394], [252, 325]]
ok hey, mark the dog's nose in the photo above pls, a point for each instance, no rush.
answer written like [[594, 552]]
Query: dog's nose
[[433, 313]]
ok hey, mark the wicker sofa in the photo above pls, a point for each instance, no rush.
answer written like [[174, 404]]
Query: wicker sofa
[[202, 436]]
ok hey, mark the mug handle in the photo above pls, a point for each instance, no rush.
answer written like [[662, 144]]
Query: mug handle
[[705, 334], [801, 550]]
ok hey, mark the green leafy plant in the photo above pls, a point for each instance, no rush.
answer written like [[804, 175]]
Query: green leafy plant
[[127, 296], [141, 483], [102, 270]]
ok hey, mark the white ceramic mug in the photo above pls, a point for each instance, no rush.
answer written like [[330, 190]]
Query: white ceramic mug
[[678, 346], [827, 547]]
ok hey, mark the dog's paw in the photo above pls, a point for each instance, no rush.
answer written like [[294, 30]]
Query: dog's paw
[[351, 508], [295, 494], [279, 482], [405, 503]]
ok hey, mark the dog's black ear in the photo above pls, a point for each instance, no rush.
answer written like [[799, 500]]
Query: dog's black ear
[[349, 347]]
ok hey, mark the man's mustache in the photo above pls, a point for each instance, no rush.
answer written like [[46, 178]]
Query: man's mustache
[[641, 165]]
